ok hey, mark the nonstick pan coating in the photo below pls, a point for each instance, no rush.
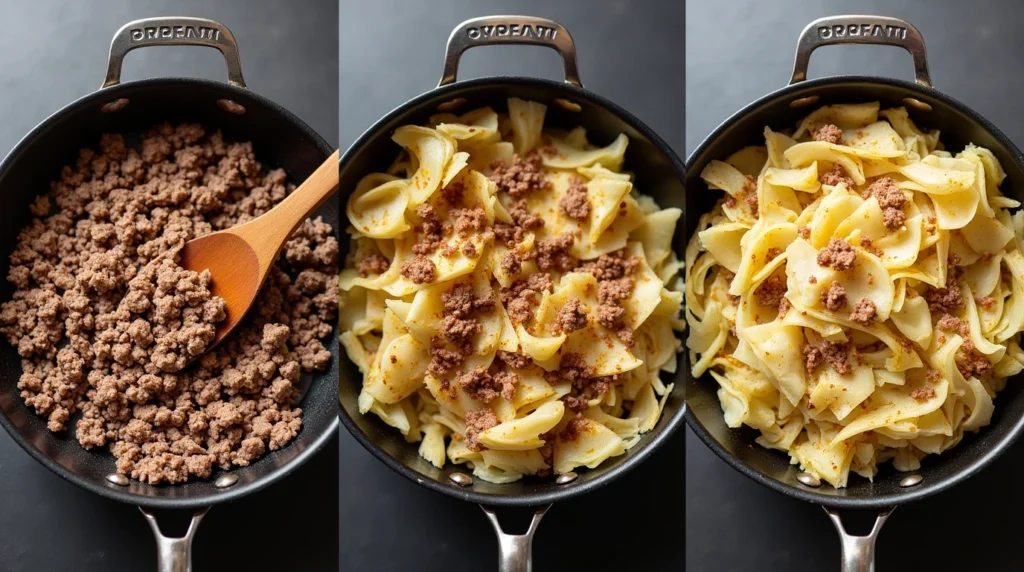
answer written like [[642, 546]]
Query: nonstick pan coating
[[280, 140], [658, 173], [959, 125]]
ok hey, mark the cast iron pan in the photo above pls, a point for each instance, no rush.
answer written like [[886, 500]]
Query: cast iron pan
[[929, 108], [659, 173], [280, 139]]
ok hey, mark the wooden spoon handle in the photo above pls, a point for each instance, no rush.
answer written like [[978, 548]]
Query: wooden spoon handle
[[268, 233]]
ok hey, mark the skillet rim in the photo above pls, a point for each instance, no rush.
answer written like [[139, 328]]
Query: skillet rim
[[109, 491], [672, 424], [927, 488]]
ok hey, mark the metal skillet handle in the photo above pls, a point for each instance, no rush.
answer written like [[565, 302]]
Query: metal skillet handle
[[879, 30], [490, 30], [858, 552], [173, 31], [515, 551], [174, 554]]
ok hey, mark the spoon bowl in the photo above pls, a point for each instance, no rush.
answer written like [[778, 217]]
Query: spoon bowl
[[240, 257]]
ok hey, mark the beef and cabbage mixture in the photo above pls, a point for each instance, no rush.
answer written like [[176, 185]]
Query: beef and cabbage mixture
[[112, 331]]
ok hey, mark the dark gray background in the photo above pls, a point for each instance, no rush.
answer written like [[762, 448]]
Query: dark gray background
[[630, 52], [737, 51], [52, 52]]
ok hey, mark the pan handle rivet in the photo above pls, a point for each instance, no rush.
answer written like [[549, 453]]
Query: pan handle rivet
[[911, 480], [231, 106], [808, 480], [566, 478], [461, 479], [116, 105], [117, 479], [225, 481]]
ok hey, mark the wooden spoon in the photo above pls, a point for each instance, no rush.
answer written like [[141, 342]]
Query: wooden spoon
[[240, 257]]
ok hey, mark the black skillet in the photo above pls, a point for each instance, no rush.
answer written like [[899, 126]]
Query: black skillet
[[280, 139], [959, 126], [659, 173]]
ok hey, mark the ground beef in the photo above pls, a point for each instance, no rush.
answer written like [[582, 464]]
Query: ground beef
[[573, 429], [829, 133], [373, 264], [575, 204], [772, 254], [951, 323], [835, 176], [452, 194], [834, 299], [611, 266], [573, 369], [751, 198], [837, 356], [553, 253], [521, 177], [511, 263], [459, 325], [508, 234], [469, 220], [430, 229], [477, 421], [613, 272], [970, 362], [864, 312], [891, 198], [893, 218], [933, 375], [804, 232], [523, 295], [469, 249], [869, 245], [838, 255], [523, 218], [443, 360], [515, 360], [571, 317], [482, 386], [812, 357], [419, 269], [460, 332], [886, 192], [784, 307], [923, 393], [986, 302], [770, 292], [945, 300], [459, 300], [103, 333]]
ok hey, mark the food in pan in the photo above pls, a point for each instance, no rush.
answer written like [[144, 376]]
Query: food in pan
[[858, 294], [105, 321], [509, 297]]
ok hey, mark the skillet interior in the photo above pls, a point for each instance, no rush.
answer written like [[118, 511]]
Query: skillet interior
[[658, 173], [959, 126], [280, 140]]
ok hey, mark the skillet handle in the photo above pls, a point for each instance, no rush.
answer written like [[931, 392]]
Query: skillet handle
[[173, 31], [515, 551], [491, 30], [877, 30], [858, 552], [174, 554]]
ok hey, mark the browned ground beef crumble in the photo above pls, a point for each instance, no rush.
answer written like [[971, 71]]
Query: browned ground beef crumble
[[102, 333], [838, 254], [830, 133], [834, 299]]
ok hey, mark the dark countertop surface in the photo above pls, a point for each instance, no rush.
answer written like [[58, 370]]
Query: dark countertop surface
[[737, 51], [51, 52], [630, 52]]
